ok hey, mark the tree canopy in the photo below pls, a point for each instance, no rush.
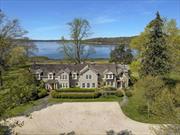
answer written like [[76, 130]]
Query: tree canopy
[[121, 54], [155, 58], [79, 30]]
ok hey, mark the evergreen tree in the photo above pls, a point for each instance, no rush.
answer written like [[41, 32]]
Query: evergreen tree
[[155, 57]]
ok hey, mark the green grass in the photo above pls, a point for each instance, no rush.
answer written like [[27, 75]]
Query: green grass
[[131, 109], [21, 109], [100, 99]]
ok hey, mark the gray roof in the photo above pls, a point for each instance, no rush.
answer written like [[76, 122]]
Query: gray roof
[[58, 68]]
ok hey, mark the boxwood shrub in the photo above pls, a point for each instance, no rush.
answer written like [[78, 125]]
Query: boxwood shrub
[[76, 90], [108, 88], [119, 93], [56, 94]]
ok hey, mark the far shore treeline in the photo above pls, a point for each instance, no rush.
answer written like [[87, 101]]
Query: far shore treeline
[[95, 41]]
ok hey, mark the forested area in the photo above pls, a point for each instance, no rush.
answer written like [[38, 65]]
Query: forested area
[[156, 76], [17, 84]]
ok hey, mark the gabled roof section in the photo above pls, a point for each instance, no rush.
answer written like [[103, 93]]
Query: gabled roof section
[[86, 68], [79, 68]]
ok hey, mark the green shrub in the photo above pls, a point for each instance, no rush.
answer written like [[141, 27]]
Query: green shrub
[[109, 89], [42, 93], [119, 93], [76, 90], [128, 93], [56, 94]]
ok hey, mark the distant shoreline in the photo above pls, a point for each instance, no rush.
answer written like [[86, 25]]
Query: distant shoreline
[[96, 41]]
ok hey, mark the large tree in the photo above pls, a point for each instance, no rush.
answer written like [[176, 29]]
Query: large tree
[[10, 31], [155, 59], [79, 30], [121, 54]]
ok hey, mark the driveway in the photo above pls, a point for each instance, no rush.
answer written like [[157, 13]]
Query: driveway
[[85, 118]]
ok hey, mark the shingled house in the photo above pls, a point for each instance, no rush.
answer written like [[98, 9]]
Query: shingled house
[[58, 76]]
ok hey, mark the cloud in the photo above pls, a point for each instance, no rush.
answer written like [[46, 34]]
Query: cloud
[[104, 19]]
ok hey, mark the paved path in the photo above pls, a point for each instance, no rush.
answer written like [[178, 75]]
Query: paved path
[[87, 118]]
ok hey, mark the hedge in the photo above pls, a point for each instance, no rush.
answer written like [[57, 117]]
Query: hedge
[[109, 89], [119, 93], [76, 90], [56, 94]]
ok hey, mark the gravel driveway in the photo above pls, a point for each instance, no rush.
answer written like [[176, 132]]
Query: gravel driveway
[[85, 118]]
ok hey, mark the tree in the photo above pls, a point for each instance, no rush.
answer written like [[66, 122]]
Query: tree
[[121, 54], [151, 87], [79, 30], [9, 31], [155, 59], [165, 108]]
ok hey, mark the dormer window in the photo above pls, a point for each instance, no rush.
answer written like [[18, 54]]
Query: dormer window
[[109, 76], [74, 76], [50, 76], [38, 76]]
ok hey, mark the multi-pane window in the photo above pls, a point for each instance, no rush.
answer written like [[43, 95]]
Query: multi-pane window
[[83, 85], [88, 85], [110, 76], [93, 85], [50, 76], [88, 77], [38, 76], [74, 76]]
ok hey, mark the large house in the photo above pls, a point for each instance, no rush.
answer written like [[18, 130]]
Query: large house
[[56, 76]]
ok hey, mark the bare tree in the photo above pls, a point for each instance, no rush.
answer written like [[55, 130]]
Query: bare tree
[[9, 31], [79, 30]]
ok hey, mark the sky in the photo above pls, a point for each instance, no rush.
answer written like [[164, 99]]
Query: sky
[[47, 19]]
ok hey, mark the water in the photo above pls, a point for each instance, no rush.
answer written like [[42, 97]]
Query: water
[[53, 50]]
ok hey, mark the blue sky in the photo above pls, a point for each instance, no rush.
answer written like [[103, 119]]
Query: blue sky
[[47, 19]]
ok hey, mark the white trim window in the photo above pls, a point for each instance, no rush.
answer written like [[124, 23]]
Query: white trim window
[[88, 76], [93, 85], [74, 76], [50, 76], [88, 85], [109, 76], [83, 85], [38, 76]]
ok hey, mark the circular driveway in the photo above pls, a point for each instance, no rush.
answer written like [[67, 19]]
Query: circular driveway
[[85, 118]]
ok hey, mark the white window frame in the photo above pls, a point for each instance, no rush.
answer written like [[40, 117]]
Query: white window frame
[[88, 85], [50, 78], [93, 85], [74, 76], [83, 85], [38, 76]]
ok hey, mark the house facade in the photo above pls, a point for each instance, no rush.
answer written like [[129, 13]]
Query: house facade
[[57, 76]]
